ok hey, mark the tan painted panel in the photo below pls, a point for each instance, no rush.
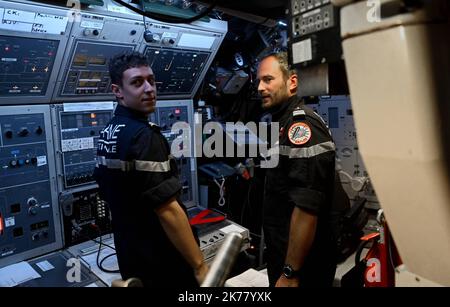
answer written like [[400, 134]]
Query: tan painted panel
[[393, 89]]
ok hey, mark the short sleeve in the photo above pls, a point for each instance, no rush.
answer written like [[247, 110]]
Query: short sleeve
[[155, 168], [311, 153]]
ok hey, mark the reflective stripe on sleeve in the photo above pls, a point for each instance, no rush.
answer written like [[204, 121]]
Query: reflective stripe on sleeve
[[307, 152], [139, 165], [153, 166]]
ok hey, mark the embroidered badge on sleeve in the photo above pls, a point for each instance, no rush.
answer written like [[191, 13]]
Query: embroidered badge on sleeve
[[299, 133]]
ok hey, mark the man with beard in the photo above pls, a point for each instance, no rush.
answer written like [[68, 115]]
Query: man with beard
[[298, 192]]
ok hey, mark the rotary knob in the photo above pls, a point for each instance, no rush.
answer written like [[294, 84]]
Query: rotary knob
[[23, 132], [33, 210], [151, 37], [39, 130], [33, 206], [168, 41], [32, 201]]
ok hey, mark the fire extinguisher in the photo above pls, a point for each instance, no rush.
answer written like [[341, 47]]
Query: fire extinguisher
[[382, 258]]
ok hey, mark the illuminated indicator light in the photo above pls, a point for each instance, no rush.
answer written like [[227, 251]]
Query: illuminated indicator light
[[6, 48], [1, 225], [177, 111], [46, 69], [33, 69], [93, 115]]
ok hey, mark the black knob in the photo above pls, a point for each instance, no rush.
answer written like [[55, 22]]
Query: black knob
[[148, 36], [31, 201], [33, 160], [33, 210], [13, 163], [23, 132], [8, 134], [39, 130], [95, 32], [133, 32]]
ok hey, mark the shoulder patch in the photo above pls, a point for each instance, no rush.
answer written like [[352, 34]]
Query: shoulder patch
[[299, 133]]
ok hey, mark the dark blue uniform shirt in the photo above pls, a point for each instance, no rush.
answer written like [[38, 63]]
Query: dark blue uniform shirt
[[136, 174], [304, 178]]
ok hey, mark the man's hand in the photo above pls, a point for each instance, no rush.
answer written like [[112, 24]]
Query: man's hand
[[176, 226], [287, 282], [200, 272]]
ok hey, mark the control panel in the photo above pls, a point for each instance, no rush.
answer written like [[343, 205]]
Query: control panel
[[338, 114], [77, 130], [314, 32], [78, 127], [93, 41], [168, 113], [181, 56], [311, 16], [29, 217], [212, 235], [176, 71], [32, 44], [26, 65], [85, 216]]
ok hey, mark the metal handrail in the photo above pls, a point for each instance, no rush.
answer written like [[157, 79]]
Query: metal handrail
[[223, 261]]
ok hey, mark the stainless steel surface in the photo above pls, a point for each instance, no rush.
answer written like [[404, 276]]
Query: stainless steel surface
[[224, 261]]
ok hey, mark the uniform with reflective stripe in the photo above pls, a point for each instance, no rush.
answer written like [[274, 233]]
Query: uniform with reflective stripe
[[138, 165], [136, 174], [304, 178]]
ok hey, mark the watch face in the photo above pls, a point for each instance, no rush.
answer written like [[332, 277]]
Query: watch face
[[288, 271]]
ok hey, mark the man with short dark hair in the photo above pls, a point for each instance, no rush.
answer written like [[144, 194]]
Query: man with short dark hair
[[299, 191], [138, 179]]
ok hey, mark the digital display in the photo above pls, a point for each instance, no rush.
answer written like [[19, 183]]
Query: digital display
[[88, 72], [97, 61], [87, 84], [80, 60]]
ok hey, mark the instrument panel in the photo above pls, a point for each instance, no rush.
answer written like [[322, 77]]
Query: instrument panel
[[32, 45], [177, 71], [29, 214], [25, 65]]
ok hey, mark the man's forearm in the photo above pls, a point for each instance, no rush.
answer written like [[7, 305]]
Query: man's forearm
[[301, 237], [176, 225]]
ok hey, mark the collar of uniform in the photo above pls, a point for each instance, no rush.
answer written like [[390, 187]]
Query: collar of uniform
[[279, 111], [127, 112]]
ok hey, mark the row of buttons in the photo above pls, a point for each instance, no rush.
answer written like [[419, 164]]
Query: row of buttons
[[213, 238], [22, 162], [23, 132]]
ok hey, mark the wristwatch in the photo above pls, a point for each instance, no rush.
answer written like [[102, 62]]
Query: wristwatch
[[289, 272]]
